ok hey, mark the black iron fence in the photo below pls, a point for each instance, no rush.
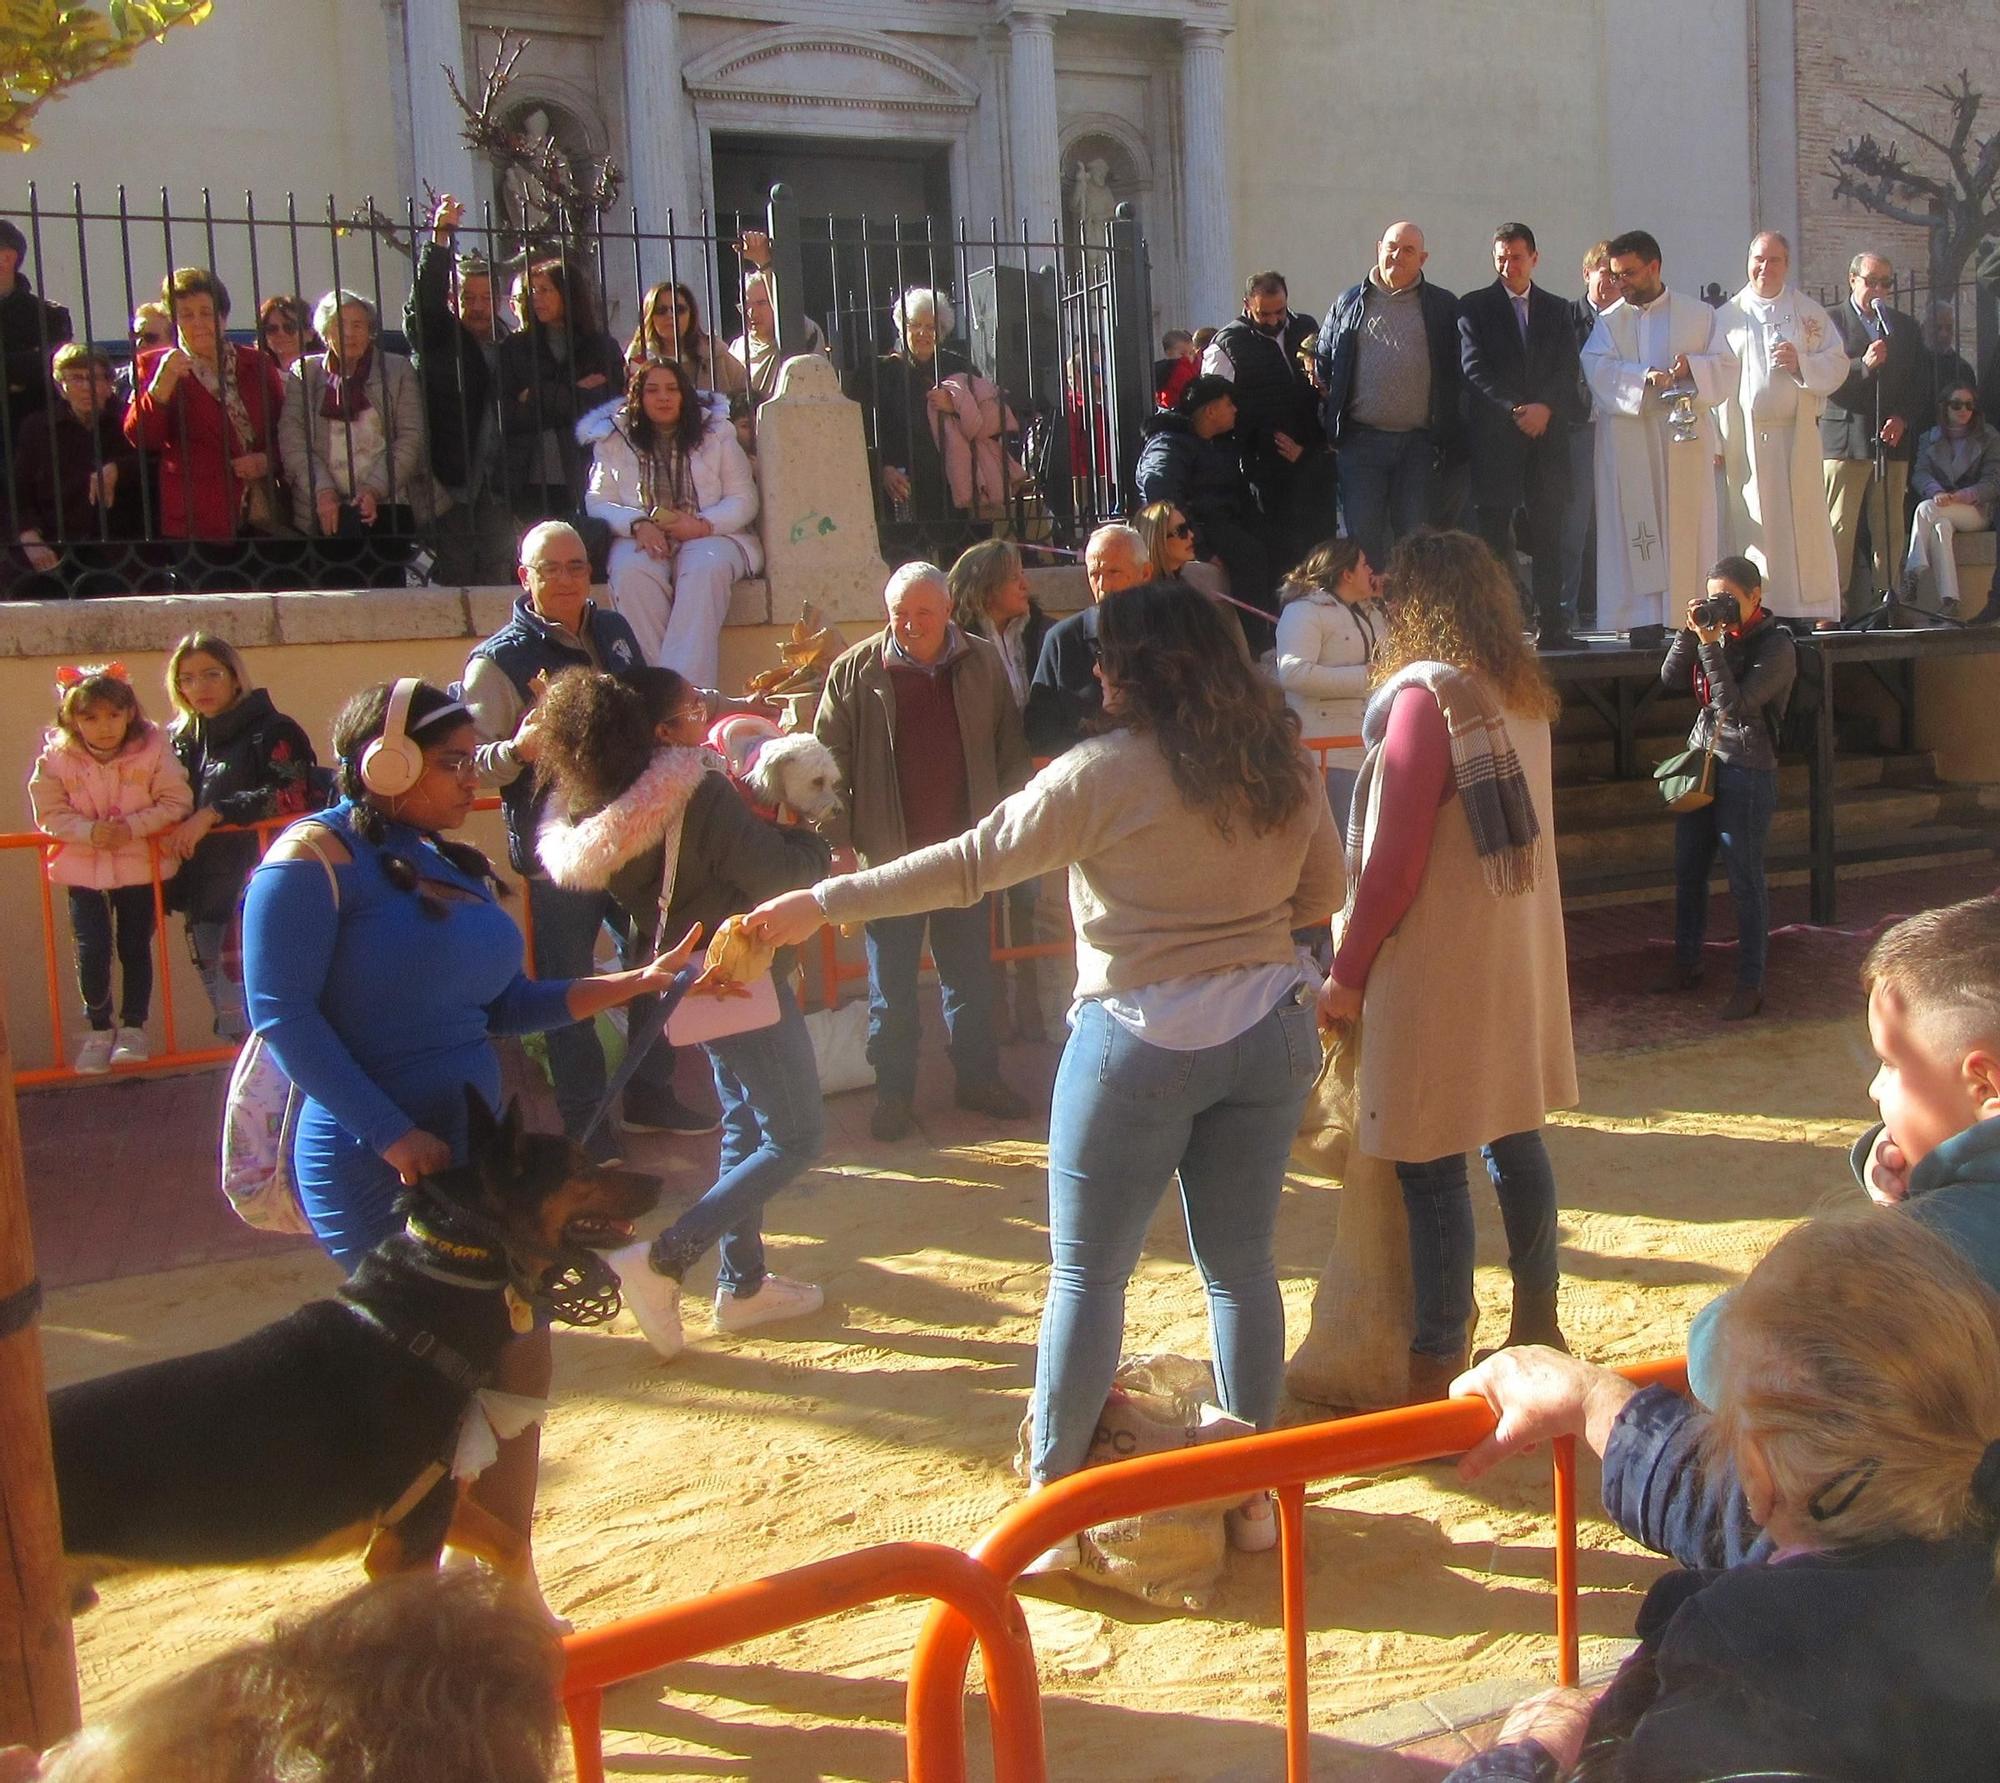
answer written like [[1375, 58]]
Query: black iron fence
[[212, 443], [1960, 332]]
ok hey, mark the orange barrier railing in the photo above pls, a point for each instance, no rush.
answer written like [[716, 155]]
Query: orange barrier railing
[[976, 1600], [835, 972], [1284, 1461], [173, 1056]]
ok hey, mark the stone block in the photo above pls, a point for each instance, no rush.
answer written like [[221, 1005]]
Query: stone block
[[1063, 589], [750, 602], [818, 508], [487, 609], [371, 615], [91, 630]]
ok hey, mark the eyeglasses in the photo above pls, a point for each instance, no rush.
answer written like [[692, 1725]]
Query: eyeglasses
[[189, 679], [454, 762], [1879, 281], [689, 715], [569, 566]]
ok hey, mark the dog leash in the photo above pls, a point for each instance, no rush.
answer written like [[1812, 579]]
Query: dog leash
[[639, 1041]]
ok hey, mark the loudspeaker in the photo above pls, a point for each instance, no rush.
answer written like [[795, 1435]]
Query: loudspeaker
[[1014, 334]]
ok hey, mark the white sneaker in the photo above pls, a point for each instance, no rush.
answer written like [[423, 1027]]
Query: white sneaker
[[652, 1298], [1252, 1526], [93, 1057], [776, 1299], [131, 1048], [1065, 1556]]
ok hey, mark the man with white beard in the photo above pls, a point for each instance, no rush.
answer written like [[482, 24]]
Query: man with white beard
[[1657, 366], [1774, 494]]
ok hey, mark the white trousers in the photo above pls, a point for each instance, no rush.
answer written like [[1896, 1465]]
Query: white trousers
[[1931, 535], [676, 607]]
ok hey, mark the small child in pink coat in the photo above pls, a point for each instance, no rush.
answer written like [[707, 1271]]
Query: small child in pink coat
[[105, 781]]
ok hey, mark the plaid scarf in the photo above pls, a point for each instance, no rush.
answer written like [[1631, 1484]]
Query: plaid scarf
[[1485, 771]]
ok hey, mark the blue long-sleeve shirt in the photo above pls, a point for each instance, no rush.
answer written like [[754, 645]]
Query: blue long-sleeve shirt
[[381, 1013]]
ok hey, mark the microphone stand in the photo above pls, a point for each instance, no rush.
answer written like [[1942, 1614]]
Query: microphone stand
[[1891, 612]]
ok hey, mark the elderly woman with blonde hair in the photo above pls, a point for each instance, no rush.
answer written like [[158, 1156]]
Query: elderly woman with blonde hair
[[352, 434]]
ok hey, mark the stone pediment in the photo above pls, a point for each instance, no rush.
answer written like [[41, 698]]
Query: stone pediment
[[809, 66]]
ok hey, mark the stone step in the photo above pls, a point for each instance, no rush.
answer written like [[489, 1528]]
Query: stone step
[[1871, 822], [1590, 804]]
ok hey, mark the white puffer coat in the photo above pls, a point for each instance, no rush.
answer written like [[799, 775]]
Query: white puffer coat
[[1323, 650]]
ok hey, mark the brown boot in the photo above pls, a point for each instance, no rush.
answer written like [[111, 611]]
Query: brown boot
[[1532, 1321], [1431, 1376]]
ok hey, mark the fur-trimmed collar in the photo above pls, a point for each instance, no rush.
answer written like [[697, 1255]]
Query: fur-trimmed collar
[[585, 854]]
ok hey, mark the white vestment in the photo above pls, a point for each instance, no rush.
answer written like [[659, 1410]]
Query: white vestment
[[1657, 527], [1774, 492]]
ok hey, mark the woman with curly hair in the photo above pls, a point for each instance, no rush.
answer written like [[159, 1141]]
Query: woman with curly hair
[[1196, 839], [677, 491], [1451, 944]]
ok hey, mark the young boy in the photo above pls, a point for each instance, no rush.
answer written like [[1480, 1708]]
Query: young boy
[[1933, 984]]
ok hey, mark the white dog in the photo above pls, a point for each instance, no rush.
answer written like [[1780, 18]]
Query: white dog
[[779, 772]]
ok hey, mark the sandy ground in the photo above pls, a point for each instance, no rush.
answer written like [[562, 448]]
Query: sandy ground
[[892, 1415]]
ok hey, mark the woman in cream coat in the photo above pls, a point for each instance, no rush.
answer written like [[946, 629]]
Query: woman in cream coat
[[1331, 621], [1451, 945], [680, 498]]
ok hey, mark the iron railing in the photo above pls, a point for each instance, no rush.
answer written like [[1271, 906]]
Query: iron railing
[[1057, 323]]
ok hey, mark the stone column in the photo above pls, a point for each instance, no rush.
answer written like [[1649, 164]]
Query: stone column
[[653, 102], [1208, 248], [1033, 147], [434, 40]]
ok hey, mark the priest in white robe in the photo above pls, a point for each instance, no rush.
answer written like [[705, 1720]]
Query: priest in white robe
[[1657, 523], [1773, 490]]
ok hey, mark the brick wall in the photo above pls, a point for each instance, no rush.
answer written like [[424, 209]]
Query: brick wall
[[1887, 51]]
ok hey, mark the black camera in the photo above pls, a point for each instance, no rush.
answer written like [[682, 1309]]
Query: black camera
[[1719, 610]]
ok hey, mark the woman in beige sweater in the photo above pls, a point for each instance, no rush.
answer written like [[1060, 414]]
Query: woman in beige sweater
[[1196, 839], [1452, 941]]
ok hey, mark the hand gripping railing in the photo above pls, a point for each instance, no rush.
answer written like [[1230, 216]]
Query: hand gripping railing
[[976, 1599], [1284, 1460]]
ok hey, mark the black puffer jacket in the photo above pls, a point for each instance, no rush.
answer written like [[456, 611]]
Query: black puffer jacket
[[1203, 478], [246, 764], [1743, 681]]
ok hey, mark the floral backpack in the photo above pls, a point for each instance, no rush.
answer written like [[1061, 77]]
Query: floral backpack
[[260, 1117]]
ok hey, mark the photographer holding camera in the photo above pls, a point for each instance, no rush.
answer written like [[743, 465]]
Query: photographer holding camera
[[1740, 663]]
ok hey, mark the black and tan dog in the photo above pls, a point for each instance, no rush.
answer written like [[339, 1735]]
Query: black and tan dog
[[338, 1425]]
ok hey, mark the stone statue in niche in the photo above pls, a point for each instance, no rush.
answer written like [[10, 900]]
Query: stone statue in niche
[[525, 198], [1092, 204]]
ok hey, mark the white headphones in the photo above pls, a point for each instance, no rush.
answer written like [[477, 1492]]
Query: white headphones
[[394, 762]]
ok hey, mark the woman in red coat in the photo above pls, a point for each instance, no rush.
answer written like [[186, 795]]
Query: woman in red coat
[[208, 410]]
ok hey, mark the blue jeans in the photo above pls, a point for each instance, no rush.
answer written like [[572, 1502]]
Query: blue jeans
[[1737, 823], [225, 992], [962, 951], [773, 1124], [566, 924], [1387, 484], [1439, 1205], [1129, 1115]]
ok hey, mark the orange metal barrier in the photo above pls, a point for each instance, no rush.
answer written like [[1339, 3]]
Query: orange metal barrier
[[833, 974], [172, 1056], [1284, 1460], [977, 1601]]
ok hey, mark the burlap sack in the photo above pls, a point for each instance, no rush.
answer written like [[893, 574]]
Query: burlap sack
[[1356, 1354], [1171, 1558]]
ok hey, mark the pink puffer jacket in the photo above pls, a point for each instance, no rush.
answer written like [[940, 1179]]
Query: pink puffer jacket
[[144, 784]]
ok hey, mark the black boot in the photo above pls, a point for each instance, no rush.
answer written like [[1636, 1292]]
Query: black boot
[[1533, 1321]]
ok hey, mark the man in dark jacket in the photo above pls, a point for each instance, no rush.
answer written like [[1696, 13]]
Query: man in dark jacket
[[1191, 461], [1579, 535], [1388, 359], [1284, 447], [556, 626], [455, 329], [1885, 399], [1064, 694], [30, 332], [1519, 355]]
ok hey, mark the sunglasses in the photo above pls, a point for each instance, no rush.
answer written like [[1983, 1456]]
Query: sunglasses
[[1959, 407], [1884, 281], [1182, 531], [280, 325], [152, 337]]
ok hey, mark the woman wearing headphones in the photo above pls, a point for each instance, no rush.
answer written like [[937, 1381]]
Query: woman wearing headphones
[[377, 962]]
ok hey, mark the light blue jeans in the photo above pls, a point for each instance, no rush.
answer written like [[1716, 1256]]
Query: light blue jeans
[[1129, 1115], [773, 1125]]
